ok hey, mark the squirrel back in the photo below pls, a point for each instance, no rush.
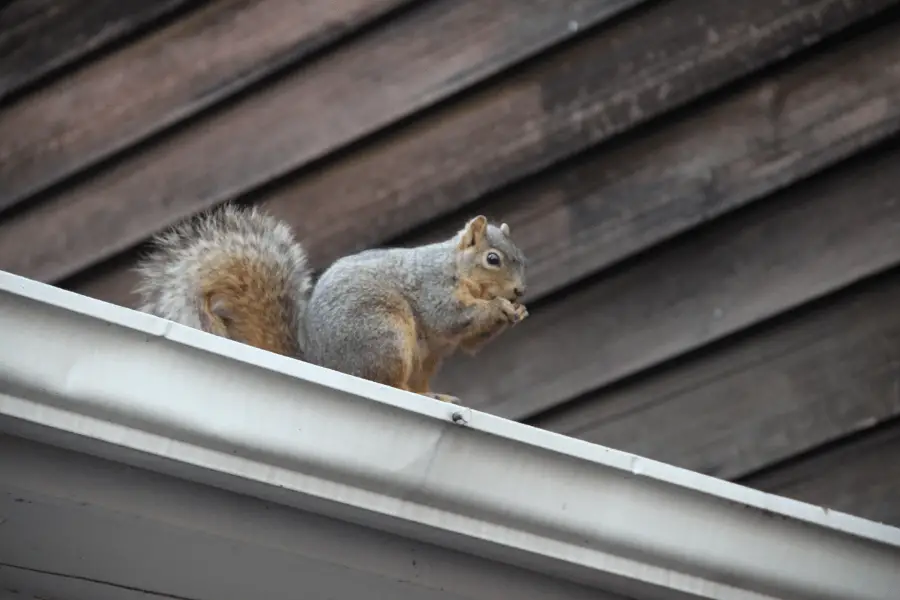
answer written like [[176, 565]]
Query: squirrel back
[[234, 272]]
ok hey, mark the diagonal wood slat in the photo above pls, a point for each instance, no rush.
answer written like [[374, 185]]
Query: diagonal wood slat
[[195, 63], [858, 477], [798, 245], [619, 200], [40, 37], [422, 56], [433, 166], [806, 380], [563, 104]]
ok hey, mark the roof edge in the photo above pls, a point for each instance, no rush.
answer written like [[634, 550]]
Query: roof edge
[[403, 463]]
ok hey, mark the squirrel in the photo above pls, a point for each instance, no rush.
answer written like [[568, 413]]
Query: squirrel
[[388, 315]]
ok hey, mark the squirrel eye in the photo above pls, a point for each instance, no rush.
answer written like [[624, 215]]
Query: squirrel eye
[[493, 259]]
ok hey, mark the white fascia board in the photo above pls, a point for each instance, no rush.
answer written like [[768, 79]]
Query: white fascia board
[[129, 384]]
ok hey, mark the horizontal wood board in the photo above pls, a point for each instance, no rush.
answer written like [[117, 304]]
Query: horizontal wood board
[[568, 101], [420, 57], [714, 157], [805, 380], [860, 476], [195, 63], [798, 245], [40, 37], [408, 177]]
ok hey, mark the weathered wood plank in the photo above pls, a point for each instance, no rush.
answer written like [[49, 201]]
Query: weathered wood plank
[[426, 54], [860, 477], [621, 199], [433, 166], [774, 255], [562, 104], [112, 281], [791, 386], [38, 37], [194, 63]]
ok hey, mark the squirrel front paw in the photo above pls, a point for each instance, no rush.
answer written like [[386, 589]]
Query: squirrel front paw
[[520, 312], [513, 311]]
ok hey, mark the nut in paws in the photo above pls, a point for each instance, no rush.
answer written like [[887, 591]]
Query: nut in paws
[[513, 312], [519, 313]]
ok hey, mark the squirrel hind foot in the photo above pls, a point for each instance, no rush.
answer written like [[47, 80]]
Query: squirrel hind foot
[[443, 397]]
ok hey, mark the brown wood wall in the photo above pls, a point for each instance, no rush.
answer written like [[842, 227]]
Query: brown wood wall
[[708, 193]]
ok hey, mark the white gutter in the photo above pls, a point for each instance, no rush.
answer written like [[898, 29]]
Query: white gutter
[[261, 424]]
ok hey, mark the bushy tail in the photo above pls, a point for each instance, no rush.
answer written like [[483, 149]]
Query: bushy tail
[[235, 272]]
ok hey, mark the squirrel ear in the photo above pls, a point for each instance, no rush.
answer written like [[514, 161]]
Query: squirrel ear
[[474, 232], [504, 229]]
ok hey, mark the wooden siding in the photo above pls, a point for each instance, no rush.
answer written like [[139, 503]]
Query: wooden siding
[[707, 192]]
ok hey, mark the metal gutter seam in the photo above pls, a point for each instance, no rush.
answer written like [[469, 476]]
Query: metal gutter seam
[[399, 462]]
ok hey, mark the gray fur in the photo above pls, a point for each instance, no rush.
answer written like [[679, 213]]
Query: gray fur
[[501, 241], [344, 324], [348, 295], [180, 257]]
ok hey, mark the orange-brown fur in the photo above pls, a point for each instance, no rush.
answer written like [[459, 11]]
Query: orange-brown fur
[[470, 293], [417, 362], [406, 365], [233, 272], [420, 380], [416, 365], [479, 282], [251, 290]]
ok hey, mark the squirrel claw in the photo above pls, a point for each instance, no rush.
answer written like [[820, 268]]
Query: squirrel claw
[[443, 397]]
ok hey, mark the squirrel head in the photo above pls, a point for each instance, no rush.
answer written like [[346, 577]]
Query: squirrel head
[[488, 260]]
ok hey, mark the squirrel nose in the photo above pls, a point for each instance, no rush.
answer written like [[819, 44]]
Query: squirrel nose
[[519, 291]]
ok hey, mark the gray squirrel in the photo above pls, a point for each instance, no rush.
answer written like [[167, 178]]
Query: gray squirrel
[[388, 315]]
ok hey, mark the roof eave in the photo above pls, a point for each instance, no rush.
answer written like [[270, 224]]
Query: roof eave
[[282, 429]]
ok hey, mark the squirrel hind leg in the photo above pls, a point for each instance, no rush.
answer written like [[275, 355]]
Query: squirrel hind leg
[[405, 368], [420, 380], [388, 351]]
